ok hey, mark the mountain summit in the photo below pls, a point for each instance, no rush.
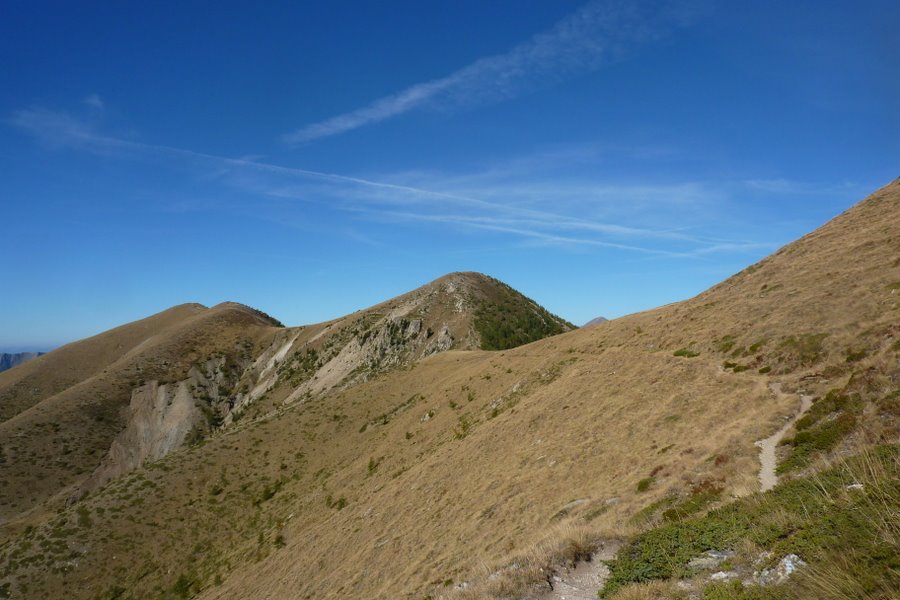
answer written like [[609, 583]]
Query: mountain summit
[[139, 391]]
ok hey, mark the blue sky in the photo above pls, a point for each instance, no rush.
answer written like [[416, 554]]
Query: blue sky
[[310, 159]]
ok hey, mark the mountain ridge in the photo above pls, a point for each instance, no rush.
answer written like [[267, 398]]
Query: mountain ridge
[[457, 473], [143, 389]]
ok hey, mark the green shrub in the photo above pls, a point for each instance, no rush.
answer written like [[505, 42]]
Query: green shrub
[[755, 346], [805, 349], [686, 353], [856, 356], [644, 484], [724, 344], [463, 427], [828, 421], [185, 586]]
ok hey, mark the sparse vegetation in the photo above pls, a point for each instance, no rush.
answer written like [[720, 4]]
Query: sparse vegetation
[[842, 518], [463, 427], [803, 350]]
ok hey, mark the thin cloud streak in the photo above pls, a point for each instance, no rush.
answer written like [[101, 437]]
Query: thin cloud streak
[[599, 33], [94, 101], [509, 226], [347, 193]]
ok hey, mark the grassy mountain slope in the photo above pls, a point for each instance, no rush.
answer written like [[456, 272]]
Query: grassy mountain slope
[[98, 408], [75, 362], [52, 442], [406, 481]]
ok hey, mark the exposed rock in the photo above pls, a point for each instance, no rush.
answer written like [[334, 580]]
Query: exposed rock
[[443, 341], [710, 559], [565, 510], [780, 572], [263, 372], [159, 419]]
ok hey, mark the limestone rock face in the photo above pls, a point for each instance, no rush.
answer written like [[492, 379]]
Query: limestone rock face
[[159, 419]]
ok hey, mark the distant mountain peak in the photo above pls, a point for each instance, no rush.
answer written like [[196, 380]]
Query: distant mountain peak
[[596, 321], [10, 360]]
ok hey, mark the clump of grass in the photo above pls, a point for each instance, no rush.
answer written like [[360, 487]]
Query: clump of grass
[[84, 517], [463, 427], [644, 484], [805, 349], [755, 346], [693, 504], [184, 587], [724, 344], [855, 355], [269, 490], [647, 513], [338, 504], [686, 353]]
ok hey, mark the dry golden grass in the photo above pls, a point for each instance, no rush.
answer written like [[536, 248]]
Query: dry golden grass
[[325, 499], [655, 590]]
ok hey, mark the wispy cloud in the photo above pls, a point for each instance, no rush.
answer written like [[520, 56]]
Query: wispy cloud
[[792, 187], [56, 129], [94, 101], [512, 200], [599, 33]]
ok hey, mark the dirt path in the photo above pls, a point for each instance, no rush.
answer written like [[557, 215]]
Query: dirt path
[[768, 462], [585, 580]]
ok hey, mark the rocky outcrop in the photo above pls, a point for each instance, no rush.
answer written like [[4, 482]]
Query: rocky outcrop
[[392, 342], [160, 417], [262, 375], [164, 416]]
